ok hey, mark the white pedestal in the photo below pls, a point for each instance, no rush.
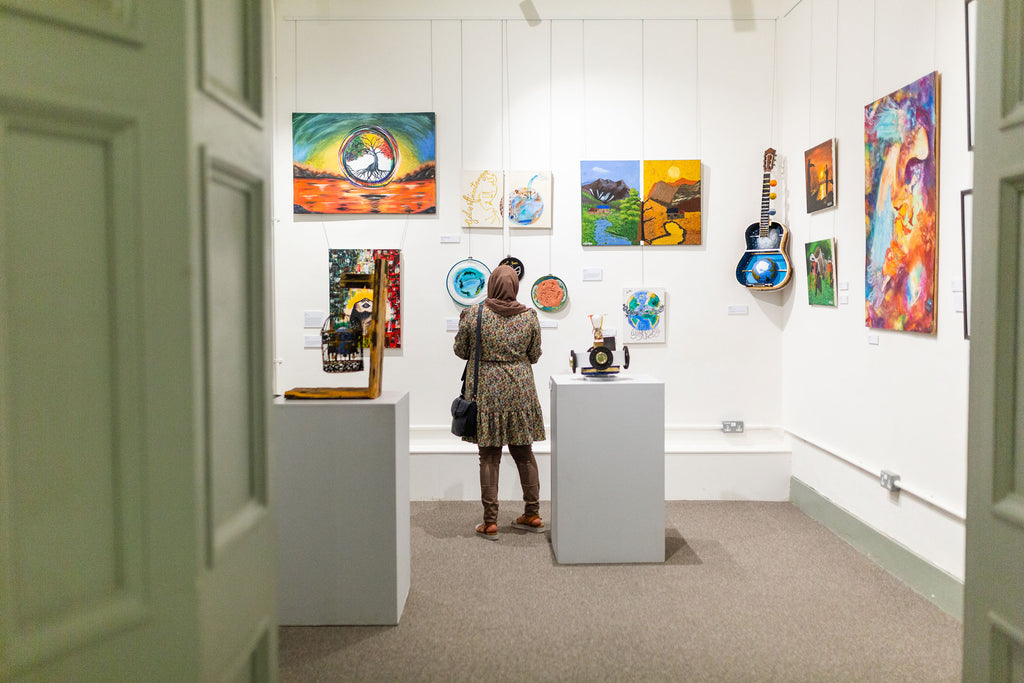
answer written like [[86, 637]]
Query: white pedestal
[[341, 485], [607, 469]]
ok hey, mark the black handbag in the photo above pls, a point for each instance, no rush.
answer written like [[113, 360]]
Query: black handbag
[[463, 410]]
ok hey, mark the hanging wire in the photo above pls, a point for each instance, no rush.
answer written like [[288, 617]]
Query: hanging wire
[[506, 135], [551, 126]]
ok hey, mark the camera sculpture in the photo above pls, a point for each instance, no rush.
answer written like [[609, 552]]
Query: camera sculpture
[[601, 355]]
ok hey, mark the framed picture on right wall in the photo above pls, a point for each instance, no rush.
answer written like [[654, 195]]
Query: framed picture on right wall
[[820, 176], [821, 272]]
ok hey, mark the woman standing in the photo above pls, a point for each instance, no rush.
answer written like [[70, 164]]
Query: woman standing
[[507, 404]]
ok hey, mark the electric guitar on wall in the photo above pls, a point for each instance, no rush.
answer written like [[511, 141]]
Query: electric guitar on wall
[[765, 264]]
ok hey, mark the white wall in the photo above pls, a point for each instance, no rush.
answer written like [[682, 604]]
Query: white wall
[[899, 405], [582, 89], [658, 85]]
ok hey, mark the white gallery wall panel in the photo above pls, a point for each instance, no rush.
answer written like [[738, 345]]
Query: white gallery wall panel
[[900, 404]]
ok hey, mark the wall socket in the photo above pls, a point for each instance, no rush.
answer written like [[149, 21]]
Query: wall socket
[[732, 426], [889, 480]]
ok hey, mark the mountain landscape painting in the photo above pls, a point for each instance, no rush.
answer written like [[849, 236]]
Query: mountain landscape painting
[[671, 208], [364, 163], [610, 203]]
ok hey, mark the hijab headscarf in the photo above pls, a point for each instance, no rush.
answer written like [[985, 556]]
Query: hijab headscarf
[[502, 287]]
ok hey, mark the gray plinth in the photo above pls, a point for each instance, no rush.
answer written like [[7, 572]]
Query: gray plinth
[[341, 485], [607, 469]]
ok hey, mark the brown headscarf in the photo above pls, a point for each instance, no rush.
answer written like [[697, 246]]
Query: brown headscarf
[[502, 287]]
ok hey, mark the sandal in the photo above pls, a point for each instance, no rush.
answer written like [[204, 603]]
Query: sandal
[[488, 531], [530, 523]]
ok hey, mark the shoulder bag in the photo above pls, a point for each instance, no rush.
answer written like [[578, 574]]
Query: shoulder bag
[[464, 411]]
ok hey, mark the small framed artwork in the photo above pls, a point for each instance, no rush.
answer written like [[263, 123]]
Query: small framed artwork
[[643, 311], [966, 236], [821, 272], [970, 41], [820, 176]]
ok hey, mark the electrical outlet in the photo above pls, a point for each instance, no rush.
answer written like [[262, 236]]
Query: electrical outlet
[[889, 480], [732, 426]]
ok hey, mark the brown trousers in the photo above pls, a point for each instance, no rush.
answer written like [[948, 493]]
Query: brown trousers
[[490, 460]]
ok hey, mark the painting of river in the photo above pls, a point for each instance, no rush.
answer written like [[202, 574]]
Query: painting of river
[[610, 203], [364, 163]]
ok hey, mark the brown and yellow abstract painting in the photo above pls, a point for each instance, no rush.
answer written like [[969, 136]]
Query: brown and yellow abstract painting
[[671, 209]]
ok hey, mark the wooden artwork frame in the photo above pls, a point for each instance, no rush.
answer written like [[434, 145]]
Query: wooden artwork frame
[[378, 280]]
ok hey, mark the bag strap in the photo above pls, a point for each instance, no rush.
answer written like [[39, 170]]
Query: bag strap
[[476, 362]]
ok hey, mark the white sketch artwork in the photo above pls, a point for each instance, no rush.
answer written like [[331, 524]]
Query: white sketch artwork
[[482, 193], [528, 202], [643, 312]]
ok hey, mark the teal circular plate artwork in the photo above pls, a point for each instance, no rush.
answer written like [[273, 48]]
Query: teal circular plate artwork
[[467, 282], [549, 293]]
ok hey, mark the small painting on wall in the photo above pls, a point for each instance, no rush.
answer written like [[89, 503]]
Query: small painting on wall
[[355, 305], [610, 202], [363, 163], [528, 201], [901, 205], [643, 313], [671, 210], [821, 272], [820, 176], [482, 193]]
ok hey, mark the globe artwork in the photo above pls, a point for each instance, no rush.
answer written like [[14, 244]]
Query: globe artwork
[[764, 270], [644, 311]]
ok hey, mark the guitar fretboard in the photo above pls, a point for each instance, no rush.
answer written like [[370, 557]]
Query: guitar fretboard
[[765, 192]]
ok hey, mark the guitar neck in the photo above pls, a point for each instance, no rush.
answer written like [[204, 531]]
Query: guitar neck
[[765, 193]]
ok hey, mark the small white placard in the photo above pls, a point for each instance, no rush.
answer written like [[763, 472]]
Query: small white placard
[[549, 323], [960, 305], [312, 318], [844, 299], [843, 286], [311, 341], [593, 274], [451, 324], [451, 239], [873, 339], [958, 285], [738, 310]]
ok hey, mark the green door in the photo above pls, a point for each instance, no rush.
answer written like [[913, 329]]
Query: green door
[[135, 541]]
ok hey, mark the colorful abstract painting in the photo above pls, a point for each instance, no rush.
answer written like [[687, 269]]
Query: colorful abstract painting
[[356, 304], [528, 200], [643, 312], [671, 208], [482, 193], [363, 163], [610, 202], [821, 272], [820, 176], [901, 205]]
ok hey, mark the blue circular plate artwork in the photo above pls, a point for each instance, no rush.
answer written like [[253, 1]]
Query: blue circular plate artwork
[[467, 282]]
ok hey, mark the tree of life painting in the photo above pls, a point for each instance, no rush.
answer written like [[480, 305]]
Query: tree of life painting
[[363, 163], [901, 208]]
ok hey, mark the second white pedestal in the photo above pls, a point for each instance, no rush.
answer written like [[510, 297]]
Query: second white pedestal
[[607, 469]]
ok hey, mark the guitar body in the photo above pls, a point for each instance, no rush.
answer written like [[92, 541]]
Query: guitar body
[[765, 264]]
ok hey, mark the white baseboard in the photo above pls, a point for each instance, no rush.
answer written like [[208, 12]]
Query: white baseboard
[[700, 464]]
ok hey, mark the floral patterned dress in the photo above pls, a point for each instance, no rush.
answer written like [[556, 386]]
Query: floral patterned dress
[[508, 410]]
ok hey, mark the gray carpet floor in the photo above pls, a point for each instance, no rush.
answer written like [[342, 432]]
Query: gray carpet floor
[[750, 591]]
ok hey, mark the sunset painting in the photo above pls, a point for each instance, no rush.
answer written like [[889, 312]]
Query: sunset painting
[[820, 176], [671, 208], [363, 163], [610, 202], [901, 204]]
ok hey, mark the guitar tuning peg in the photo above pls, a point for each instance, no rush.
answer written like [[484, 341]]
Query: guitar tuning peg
[[771, 196]]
